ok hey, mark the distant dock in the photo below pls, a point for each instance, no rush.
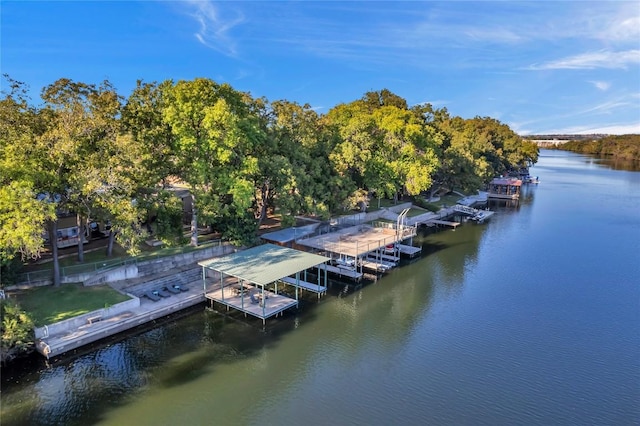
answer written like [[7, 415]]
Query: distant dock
[[453, 225]]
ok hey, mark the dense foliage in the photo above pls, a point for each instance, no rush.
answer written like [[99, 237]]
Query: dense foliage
[[624, 147], [89, 151], [17, 331]]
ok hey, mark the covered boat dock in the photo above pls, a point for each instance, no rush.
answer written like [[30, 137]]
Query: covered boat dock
[[360, 247], [252, 280]]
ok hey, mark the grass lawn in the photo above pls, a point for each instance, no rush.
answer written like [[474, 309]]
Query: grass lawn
[[449, 200], [384, 202], [416, 212], [52, 304]]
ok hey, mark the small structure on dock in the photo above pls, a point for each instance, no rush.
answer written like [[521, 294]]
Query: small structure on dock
[[505, 188], [249, 279]]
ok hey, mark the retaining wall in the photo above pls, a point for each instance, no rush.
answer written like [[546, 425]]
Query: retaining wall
[[66, 326]]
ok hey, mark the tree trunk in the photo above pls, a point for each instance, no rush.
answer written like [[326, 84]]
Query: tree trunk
[[263, 205], [53, 239], [112, 236], [80, 238], [194, 222]]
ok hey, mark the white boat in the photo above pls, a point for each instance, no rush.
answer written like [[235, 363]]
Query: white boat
[[482, 215], [346, 263]]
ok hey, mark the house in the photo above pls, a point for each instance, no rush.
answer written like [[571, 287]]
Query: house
[[505, 188]]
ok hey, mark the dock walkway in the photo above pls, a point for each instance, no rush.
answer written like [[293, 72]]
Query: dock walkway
[[377, 265], [316, 288], [410, 251], [454, 225], [342, 272]]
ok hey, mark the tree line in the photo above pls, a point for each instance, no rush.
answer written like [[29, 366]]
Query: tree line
[[92, 152], [622, 147]]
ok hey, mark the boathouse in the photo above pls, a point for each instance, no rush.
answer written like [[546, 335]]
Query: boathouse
[[505, 188], [356, 248], [262, 281]]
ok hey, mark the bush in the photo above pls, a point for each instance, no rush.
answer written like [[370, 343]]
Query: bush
[[17, 331]]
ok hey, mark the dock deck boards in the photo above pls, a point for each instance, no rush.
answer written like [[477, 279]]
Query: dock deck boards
[[408, 250], [274, 304], [316, 288], [445, 223], [377, 265], [349, 273]]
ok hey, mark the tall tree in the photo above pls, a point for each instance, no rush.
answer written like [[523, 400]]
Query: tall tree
[[213, 138], [385, 147], [83, 120], [151, 137], [23, 214]]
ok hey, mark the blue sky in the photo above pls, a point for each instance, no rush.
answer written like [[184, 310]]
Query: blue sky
[[540, 67]]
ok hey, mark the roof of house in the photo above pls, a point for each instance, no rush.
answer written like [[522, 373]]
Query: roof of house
[[506, 181]]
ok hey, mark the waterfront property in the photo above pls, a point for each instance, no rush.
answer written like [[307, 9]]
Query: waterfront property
[[505, 188], [253, 280]]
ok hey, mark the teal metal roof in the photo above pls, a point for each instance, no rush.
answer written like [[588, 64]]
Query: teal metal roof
[[264, 264]]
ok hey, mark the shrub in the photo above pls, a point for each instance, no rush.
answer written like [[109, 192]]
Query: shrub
[[17, 331]]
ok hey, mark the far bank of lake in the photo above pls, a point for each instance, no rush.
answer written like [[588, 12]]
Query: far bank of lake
[[530, 318]]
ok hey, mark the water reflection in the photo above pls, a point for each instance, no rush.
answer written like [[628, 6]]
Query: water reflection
[[618, 163]]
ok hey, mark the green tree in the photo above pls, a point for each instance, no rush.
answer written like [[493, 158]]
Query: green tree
[[214, 136], [23, 214], [385, 147], [79, 121], [152, 160], [17, 331]]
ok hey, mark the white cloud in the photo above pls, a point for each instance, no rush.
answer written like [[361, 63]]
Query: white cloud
[[591, 60], [601, 85], [214, 30], [606, 107], [623, 28]]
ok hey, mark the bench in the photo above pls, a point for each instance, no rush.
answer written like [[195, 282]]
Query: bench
[[94, 318]]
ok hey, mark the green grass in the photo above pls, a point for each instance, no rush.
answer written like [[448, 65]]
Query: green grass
[[52, 304], [416, 212], [384, 202], [449, 200]]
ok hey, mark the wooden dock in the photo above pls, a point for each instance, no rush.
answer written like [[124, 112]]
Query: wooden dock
[[342, 272], [377, 265], [313, 287], [410, 251], [271, 305], [454, 225]]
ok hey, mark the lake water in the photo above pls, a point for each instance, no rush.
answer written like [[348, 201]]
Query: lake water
[[532, 318]]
